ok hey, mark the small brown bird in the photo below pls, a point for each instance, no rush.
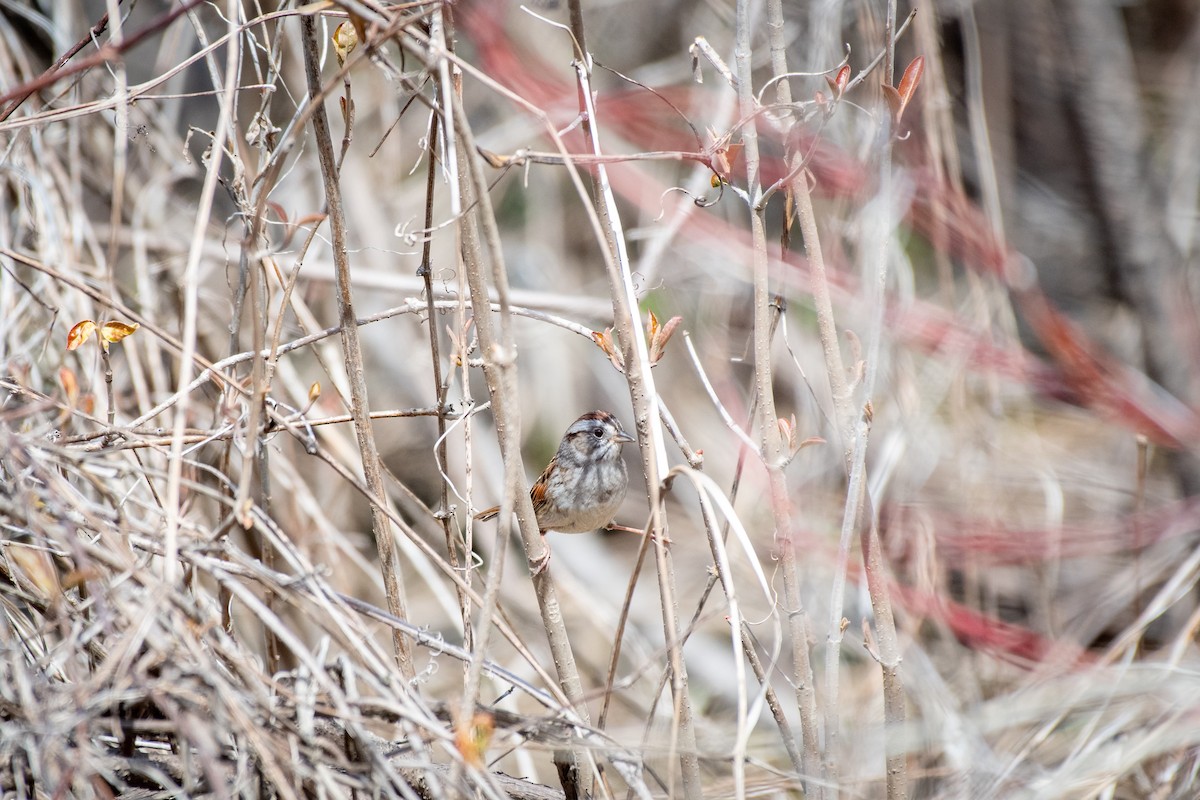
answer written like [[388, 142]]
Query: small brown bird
[[583, 485]]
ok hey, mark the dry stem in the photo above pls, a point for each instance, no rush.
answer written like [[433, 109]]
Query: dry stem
[[352, 349]]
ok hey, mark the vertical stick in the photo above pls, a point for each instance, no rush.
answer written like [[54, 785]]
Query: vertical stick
[[644, 398], [772, 445], [352, 349], [499, 367]]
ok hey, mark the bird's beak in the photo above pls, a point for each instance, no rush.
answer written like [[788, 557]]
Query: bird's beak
[[621, 437]]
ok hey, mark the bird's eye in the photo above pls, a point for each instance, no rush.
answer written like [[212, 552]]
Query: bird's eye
[[598, 433]]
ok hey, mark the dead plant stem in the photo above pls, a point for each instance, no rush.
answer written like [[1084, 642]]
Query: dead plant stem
[[190, 291], [894, 712], [499, 367], [425, 272], [352, 350], [644, 398], [772, 446]]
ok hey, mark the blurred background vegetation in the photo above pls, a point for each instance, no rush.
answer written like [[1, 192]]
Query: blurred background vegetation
[[190, 575]]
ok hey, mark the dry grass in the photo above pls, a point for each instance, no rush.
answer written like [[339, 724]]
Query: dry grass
[[189, 565]]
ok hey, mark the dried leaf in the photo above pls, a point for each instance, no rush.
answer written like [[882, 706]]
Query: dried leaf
[[345, 39], [668, 331], [723, 160], [605, 342], [314, 392], [114, 331], [80, 333], [659, 336], [459, 348], [730, 156]]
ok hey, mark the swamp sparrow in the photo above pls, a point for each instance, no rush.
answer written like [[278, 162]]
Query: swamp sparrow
[[584, 484]]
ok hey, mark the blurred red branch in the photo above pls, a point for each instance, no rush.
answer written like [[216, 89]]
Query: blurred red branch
[[964, 539], [1082, 372]]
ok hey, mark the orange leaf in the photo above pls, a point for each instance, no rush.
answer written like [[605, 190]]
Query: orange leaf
[[80, 333], [843, 79], [732, 152], [910, 80], [66, 376], [472, 740], [838, 83], [114, 331], [723, 160], [604, 341], [658, 342]]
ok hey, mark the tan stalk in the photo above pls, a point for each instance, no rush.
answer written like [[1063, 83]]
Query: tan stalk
[[499, 367], [352, 351], [773, 452], [644, 397]]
